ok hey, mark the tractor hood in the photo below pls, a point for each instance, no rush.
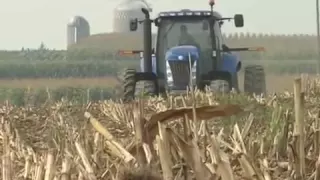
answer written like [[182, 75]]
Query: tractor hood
[[181, 53]]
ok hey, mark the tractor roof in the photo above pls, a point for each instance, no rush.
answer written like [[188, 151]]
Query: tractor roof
[[188, 12]]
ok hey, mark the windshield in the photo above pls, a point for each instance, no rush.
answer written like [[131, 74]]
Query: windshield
[[183, 32], [186, 31]]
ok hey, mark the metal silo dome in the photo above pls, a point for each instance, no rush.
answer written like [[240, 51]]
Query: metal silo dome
[[126, 11], [77, 28]]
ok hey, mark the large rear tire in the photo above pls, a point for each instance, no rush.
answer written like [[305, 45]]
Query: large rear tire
[[254, 80], [129, 84]]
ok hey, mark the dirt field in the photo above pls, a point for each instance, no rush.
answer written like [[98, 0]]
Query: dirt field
[[53, 83], [275, 83]]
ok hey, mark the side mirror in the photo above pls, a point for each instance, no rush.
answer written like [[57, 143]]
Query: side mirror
[[205, 26], [221, 23], [157, 21], [133, 24], [238, 20]]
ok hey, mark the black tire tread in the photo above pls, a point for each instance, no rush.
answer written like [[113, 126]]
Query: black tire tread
[[254, 80], [129, 84], [131, 88]]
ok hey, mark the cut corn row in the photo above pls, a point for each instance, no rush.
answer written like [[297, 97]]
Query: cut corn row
[[238, 137]]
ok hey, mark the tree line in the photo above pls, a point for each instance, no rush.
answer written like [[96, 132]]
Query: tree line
[[106, 47]]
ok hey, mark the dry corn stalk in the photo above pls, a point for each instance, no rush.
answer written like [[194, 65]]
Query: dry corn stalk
[[85, 160], [164, 153], [50, 169], [299, 128], [220, 160], [65, 171], [6, 160], [114, 146], [190, 152], [39, 174]]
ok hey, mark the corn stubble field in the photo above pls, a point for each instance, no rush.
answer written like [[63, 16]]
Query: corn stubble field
[[197, 136]]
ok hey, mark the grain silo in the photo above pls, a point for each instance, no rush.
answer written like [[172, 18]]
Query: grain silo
[[126, 11], [77, 28]]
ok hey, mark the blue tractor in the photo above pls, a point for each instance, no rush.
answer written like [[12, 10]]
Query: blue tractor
[[189, 50]]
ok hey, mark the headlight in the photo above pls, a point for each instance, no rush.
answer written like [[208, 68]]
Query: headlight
[[180, 57]]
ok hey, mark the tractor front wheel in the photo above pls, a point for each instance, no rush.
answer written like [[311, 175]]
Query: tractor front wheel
[[145, 88], [221, 86]]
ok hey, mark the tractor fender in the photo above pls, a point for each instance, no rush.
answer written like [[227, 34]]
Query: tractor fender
[[154, 65], [230, 63]]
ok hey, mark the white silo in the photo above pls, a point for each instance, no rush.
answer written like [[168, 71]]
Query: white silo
[[77, 28], [126, 11]]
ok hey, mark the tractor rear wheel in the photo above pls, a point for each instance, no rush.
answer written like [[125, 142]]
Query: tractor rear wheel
[[129, 84], [132, 89], [254, 80]]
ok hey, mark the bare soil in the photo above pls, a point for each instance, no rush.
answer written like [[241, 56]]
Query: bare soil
[[275, 83], [54, 83]]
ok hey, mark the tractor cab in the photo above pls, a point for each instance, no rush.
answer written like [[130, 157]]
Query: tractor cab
[[185, 32], [185, 27]]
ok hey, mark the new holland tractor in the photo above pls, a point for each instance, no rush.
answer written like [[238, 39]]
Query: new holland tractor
[[189, 49]]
